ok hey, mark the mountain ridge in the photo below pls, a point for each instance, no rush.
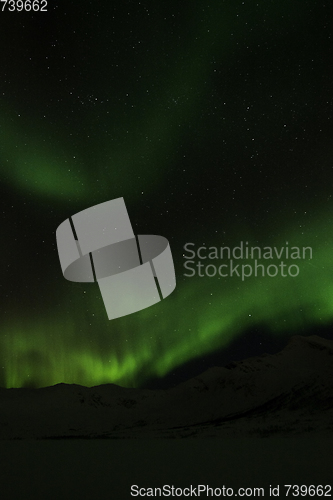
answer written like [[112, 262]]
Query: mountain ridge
[[287, 393]]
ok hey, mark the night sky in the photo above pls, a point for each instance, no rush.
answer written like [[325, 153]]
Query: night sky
[[213, 120]]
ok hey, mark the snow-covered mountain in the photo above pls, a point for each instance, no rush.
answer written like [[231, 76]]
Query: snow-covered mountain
[[288, 393]]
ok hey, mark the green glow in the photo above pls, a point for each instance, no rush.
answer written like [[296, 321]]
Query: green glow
[[111, 149], [203, 314], [95, 152], [35, 160], [34, 165]]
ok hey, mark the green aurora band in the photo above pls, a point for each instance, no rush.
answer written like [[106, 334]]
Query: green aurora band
[[110, 150], [202, 315]]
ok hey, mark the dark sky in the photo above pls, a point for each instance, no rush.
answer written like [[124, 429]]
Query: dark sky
[[213, 120]]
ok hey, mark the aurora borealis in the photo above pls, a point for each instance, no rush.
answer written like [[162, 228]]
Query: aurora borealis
[[213, 121]]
